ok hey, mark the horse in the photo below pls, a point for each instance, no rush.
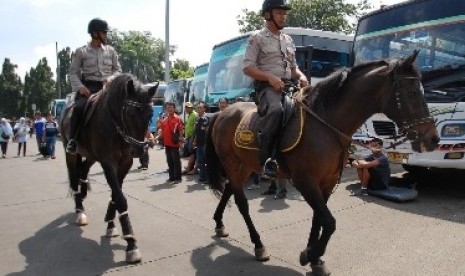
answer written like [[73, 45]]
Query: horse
[[331, 112], [112, 129]]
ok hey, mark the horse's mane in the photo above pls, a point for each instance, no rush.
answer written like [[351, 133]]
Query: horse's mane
[[116, 92], [330, 89]]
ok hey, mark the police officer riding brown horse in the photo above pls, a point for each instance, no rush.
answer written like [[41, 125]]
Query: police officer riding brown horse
[[326, 117]]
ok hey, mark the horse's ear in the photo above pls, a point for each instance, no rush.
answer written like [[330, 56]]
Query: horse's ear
[[411, 59], [130, 87], [152, 90]]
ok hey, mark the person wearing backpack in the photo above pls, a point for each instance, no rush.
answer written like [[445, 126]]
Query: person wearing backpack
[[5, 134], [50, 134]]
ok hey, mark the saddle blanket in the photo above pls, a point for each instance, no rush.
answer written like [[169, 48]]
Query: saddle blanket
[[246, 134]]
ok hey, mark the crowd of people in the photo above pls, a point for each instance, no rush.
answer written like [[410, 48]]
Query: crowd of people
[[19, 132]]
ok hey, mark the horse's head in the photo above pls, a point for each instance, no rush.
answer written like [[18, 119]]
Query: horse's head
[[134, 111], [406, 105]]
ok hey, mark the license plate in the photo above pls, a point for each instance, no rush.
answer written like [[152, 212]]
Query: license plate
[[397, 157]]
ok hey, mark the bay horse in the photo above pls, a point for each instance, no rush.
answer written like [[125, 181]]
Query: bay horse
[[113, 125], [331, 113]]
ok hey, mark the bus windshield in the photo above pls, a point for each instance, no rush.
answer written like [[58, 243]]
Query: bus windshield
[[225, 73], [436, 28], [197, 89]]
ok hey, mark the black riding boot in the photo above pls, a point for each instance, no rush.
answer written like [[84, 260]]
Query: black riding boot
[[267, 156], [79, 105], [71, 146]]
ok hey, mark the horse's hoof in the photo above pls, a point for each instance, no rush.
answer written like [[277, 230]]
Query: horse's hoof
[[133, 256], [221, 233], [320, 269], [112, 232], [303, 257], [262, 255], [81, 219]]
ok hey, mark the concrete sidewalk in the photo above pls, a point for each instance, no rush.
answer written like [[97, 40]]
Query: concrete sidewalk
[[175, 229]]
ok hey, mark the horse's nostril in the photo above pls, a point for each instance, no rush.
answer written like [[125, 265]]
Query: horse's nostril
[[435, 139]]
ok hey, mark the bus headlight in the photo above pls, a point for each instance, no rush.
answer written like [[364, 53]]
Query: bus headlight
[[453, 130]]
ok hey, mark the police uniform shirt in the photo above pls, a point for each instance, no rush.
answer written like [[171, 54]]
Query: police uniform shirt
[[94, 64], [274, 54]]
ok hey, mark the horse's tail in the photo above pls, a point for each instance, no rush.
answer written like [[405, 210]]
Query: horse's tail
[[215, 169]]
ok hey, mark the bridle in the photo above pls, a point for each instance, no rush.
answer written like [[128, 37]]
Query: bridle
[[406, 129], [122, 130]]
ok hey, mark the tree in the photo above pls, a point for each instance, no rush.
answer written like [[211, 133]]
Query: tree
[[140, 54], [326, 15], [181, 70], [39, 86], [10, 90], [64, 62]]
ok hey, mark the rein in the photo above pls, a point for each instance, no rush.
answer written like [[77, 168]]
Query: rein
[[316, 116]]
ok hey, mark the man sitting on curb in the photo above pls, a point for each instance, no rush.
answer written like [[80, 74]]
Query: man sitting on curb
[[373, 171]]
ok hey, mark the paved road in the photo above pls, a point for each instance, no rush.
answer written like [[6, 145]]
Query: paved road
[[174, 226]]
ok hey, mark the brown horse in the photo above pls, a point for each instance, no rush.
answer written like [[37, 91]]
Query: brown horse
[[332, 112], [113, 127]]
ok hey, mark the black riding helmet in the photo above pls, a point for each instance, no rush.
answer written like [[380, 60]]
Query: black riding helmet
[[96, 25], [268, 5]]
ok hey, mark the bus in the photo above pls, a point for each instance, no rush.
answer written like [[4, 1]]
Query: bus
[[197, 87], [437, 29], [318, 53], [175, 92]]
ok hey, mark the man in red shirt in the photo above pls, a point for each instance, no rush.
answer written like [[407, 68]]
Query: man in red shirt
[[171, 125]]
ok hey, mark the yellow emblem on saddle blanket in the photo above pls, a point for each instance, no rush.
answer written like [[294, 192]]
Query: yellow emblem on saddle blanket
[[245, 137], [246, 132]]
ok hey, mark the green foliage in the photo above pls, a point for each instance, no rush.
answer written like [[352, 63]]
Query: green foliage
[[249, 21], [63, 85], [140, 54], [39, 87], [144, 56], [326, 15], [181, 70], [10, 90]]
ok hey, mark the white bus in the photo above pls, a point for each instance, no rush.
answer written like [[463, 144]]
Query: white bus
[[318, 54], [437, 29]]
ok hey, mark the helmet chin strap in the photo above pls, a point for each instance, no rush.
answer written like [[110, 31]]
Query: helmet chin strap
[[99, 38], [279, 28]]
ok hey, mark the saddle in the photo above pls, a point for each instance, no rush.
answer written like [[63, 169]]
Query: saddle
[[246, 134]]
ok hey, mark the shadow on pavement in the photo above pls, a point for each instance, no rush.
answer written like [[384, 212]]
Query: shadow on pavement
[[208, 262], [441, 194], [59, 249]]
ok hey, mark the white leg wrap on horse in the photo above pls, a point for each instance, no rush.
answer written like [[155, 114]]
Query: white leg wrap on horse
[[128, 237], [123, 213], [84, 180]]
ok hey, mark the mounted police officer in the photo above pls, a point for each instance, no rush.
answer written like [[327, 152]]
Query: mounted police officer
[[92, 66], [270, 61]]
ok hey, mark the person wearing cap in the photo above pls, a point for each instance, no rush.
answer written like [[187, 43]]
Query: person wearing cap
[[92, 66], [189, 139], [270, 60], [222, 103]]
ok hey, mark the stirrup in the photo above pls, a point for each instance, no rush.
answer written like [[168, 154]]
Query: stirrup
[[270, 169], [71, 146]]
